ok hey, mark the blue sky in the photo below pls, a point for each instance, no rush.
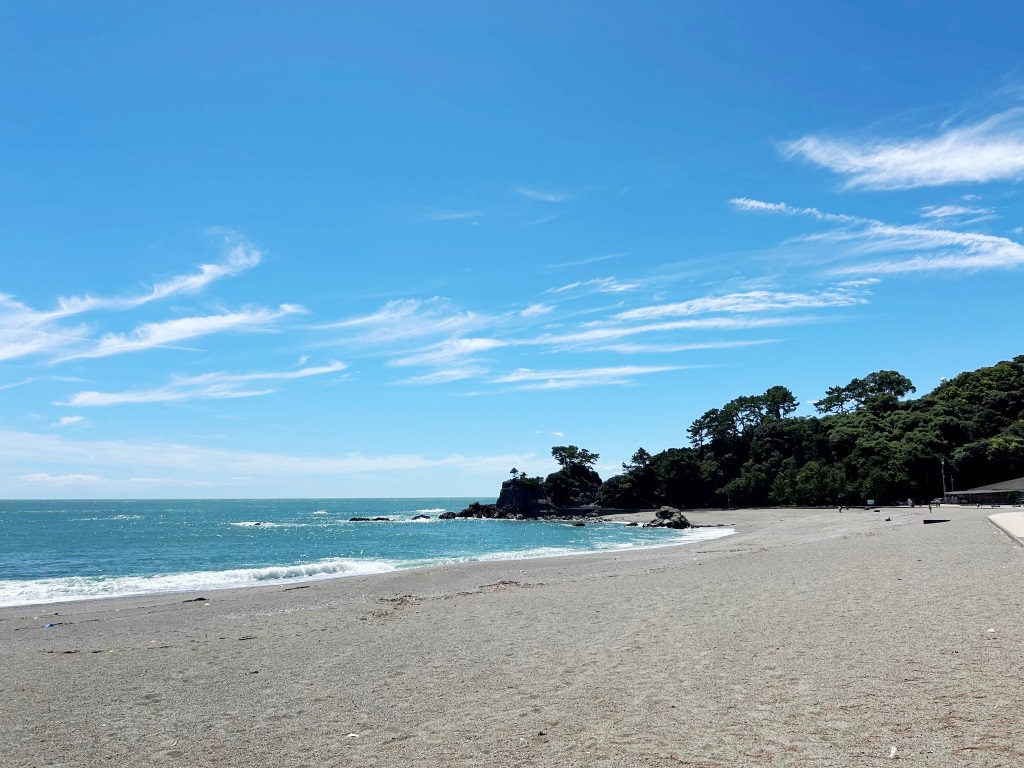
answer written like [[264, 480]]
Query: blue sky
[[395, 249]]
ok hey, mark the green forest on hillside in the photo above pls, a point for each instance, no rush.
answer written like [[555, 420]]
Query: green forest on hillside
[[867, 442]]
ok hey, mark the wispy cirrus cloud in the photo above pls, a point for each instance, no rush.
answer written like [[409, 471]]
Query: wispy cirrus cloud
[[208, 386], [958, 213], [536, 310], [906, 248], [602, 332], [943, 250], [543, 195], [744, 303], [991, 149], [409, 319], [597, 285], [526, 378], [748, 205], [169, 332], [26, 331], [449, 351], [240, 257], [67, 421], [12, 385], [589, 260], [447, 375], [668, 348], [445, 214]]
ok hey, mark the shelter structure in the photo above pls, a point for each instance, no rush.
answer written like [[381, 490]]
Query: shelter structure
[[1006, 492]]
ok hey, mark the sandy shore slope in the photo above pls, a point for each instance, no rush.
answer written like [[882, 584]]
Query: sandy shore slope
[[808, 638]]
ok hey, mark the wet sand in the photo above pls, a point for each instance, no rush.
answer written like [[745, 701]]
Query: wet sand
[[808, 638]]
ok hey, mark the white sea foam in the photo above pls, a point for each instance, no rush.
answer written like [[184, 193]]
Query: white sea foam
[[14, 592]]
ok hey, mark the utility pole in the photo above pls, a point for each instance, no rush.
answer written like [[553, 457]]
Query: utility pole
[[943, 478]]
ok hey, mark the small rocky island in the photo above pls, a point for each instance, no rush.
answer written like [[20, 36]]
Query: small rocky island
[[571, 493]]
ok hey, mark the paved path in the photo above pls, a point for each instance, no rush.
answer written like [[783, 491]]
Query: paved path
[[1012, 523]]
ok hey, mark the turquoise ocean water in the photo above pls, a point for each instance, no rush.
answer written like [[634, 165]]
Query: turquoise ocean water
[[71, 550]]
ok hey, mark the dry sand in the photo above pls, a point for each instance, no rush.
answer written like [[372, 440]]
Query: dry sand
[[808, 638]]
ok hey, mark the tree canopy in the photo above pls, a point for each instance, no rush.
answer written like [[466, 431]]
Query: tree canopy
[[569, 456], [868, 443]]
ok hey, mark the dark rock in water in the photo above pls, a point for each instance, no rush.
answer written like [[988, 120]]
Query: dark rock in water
[[369, 519], [669, 517], [634, 524], [476, 509], [446, 516], [421, 517], [382, 519], [523, 496], [359, 520], [579, 525]]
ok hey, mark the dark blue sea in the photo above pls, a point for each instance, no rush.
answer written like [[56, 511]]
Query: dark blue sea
[[72, 550]]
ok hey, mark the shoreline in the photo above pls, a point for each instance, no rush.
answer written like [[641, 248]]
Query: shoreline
[[712, 518], [640, 516], [808, 636]]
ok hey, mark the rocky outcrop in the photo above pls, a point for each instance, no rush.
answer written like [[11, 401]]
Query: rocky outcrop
[[476, 509], [522, 497], [669, 517], [525, 498]]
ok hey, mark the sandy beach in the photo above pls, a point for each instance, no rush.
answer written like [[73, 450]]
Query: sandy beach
[[807, 638]]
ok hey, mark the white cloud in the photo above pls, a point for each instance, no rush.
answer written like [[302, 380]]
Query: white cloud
[[586, 377], [47, 478], [409, 319], [598, 335], [21, 383], [859, 283], [940, 212], [597, 285], [948, 250], [150, 335], [759, 206], [240, 257], [536, 310], [989, 150], [66, 421], [543, 195], [590, 260], [447, 352], [446, 375], [440, 214], [208, 386], [942, 249], [629, 349], [749, 302], [25, 331]]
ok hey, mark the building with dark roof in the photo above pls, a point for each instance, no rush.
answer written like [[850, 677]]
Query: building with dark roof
[[1006, 492]]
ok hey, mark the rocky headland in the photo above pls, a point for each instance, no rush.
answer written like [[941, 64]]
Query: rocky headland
[[528, 499]]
